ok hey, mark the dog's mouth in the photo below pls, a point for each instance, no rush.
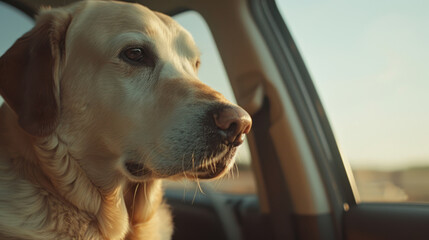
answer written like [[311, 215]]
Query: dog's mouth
[[137, 169], [213, 168], [208, 172], [209, 169]]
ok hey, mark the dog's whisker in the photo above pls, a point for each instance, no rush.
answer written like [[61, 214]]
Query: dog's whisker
[[195, 192], [192, 162], [134, 200], [199, 186], [237, 170], [231, 173], [208, 164], [145, 194]]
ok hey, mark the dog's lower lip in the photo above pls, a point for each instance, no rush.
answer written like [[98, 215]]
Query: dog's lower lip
[[137, 169], [220, 167], [210, 172]]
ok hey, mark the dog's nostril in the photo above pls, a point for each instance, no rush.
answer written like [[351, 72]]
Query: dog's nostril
[[233, 123], [232, 127]]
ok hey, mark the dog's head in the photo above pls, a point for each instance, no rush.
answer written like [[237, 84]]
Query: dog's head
[[118, 84]]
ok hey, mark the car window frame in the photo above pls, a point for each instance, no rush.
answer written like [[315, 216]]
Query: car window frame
[[336, 173], [21, 8], [306, 102]]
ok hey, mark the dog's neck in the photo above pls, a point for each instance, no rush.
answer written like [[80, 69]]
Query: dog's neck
[[109, 206], [47, 163], [16, 149], [66, 174]]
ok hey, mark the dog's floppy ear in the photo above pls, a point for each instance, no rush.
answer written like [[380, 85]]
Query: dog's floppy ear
[[29, 73]]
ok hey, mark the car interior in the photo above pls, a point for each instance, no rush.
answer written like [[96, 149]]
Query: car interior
[[303, 188]]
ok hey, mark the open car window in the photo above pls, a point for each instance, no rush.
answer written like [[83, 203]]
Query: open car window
[[368, 61], [13, 24]]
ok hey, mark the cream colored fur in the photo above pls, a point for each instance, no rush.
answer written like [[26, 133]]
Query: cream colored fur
[[46, 195], [65, 177]]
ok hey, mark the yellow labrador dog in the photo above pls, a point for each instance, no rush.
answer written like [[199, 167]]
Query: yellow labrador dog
[[102, 102]]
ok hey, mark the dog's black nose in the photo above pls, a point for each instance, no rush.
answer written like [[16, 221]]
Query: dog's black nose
[[233, 122]]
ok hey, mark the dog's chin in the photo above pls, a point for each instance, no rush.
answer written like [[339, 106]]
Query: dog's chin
[[217, 170], [212, 168]]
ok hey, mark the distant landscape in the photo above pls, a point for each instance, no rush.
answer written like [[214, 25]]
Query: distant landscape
[[406, 185]]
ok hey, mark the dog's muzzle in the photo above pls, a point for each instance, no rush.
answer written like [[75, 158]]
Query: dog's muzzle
[[207, 151], [230, 124]]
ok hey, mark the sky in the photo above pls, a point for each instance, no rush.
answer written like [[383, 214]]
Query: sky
[[368, 60], [12, 25]]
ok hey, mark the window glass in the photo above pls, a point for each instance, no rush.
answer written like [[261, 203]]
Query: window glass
[[13, 24], [369, 62], [212, 72]]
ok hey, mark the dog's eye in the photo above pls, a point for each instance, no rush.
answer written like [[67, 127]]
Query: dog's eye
[[134, 54], [197, 64], [138, 56]]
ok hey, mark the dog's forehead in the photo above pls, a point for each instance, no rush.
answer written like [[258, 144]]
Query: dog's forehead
[[107, 19], [115, 16]]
